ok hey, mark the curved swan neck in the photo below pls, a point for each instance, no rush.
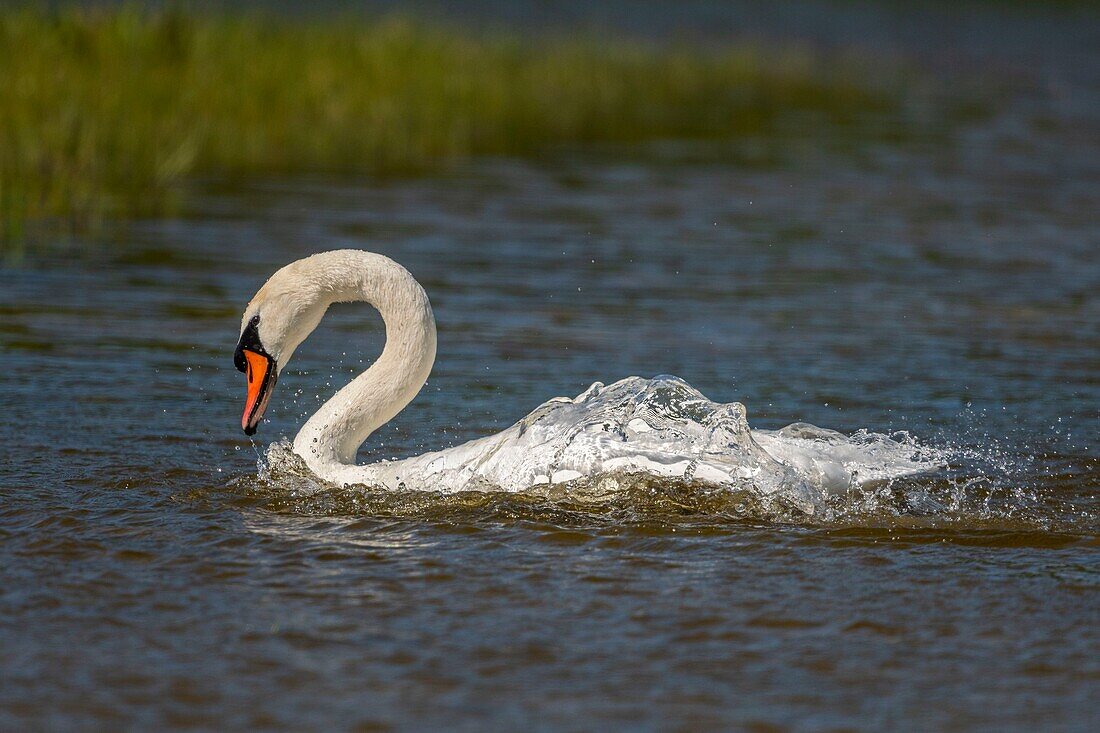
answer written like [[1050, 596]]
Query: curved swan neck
[[334, 433]]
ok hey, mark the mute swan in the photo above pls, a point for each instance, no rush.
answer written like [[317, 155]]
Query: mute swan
[[658, 426]]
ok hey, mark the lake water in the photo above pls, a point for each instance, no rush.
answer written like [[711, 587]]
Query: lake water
[[153, 576]]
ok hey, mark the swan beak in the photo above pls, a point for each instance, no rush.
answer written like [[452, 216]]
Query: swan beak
[[261, 372]]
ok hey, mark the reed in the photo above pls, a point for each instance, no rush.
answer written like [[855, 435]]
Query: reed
[[104, 112]]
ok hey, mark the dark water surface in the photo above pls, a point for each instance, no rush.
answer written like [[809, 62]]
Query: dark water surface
[[150, 579]]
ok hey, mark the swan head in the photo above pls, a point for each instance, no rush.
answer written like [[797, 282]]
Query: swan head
[[285, 310]]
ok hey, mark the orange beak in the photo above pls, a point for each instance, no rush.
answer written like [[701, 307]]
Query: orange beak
[[261, 372]]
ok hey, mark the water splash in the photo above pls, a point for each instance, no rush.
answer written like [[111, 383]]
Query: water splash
[[690, 460], [800, 474], [660, 427], [968, 496]]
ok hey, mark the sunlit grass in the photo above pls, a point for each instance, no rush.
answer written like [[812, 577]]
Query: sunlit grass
[[104, 112]]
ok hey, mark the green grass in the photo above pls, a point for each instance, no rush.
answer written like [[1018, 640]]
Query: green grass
[[104, 112]]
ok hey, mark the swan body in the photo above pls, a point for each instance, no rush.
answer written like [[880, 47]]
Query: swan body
[[661, 426]]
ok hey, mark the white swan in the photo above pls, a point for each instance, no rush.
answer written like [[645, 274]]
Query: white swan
[[658, 426]]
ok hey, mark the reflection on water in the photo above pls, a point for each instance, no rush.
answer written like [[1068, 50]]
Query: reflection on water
[[151, 576]]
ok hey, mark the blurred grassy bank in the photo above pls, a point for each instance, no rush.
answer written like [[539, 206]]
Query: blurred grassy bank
[[104, 112]]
